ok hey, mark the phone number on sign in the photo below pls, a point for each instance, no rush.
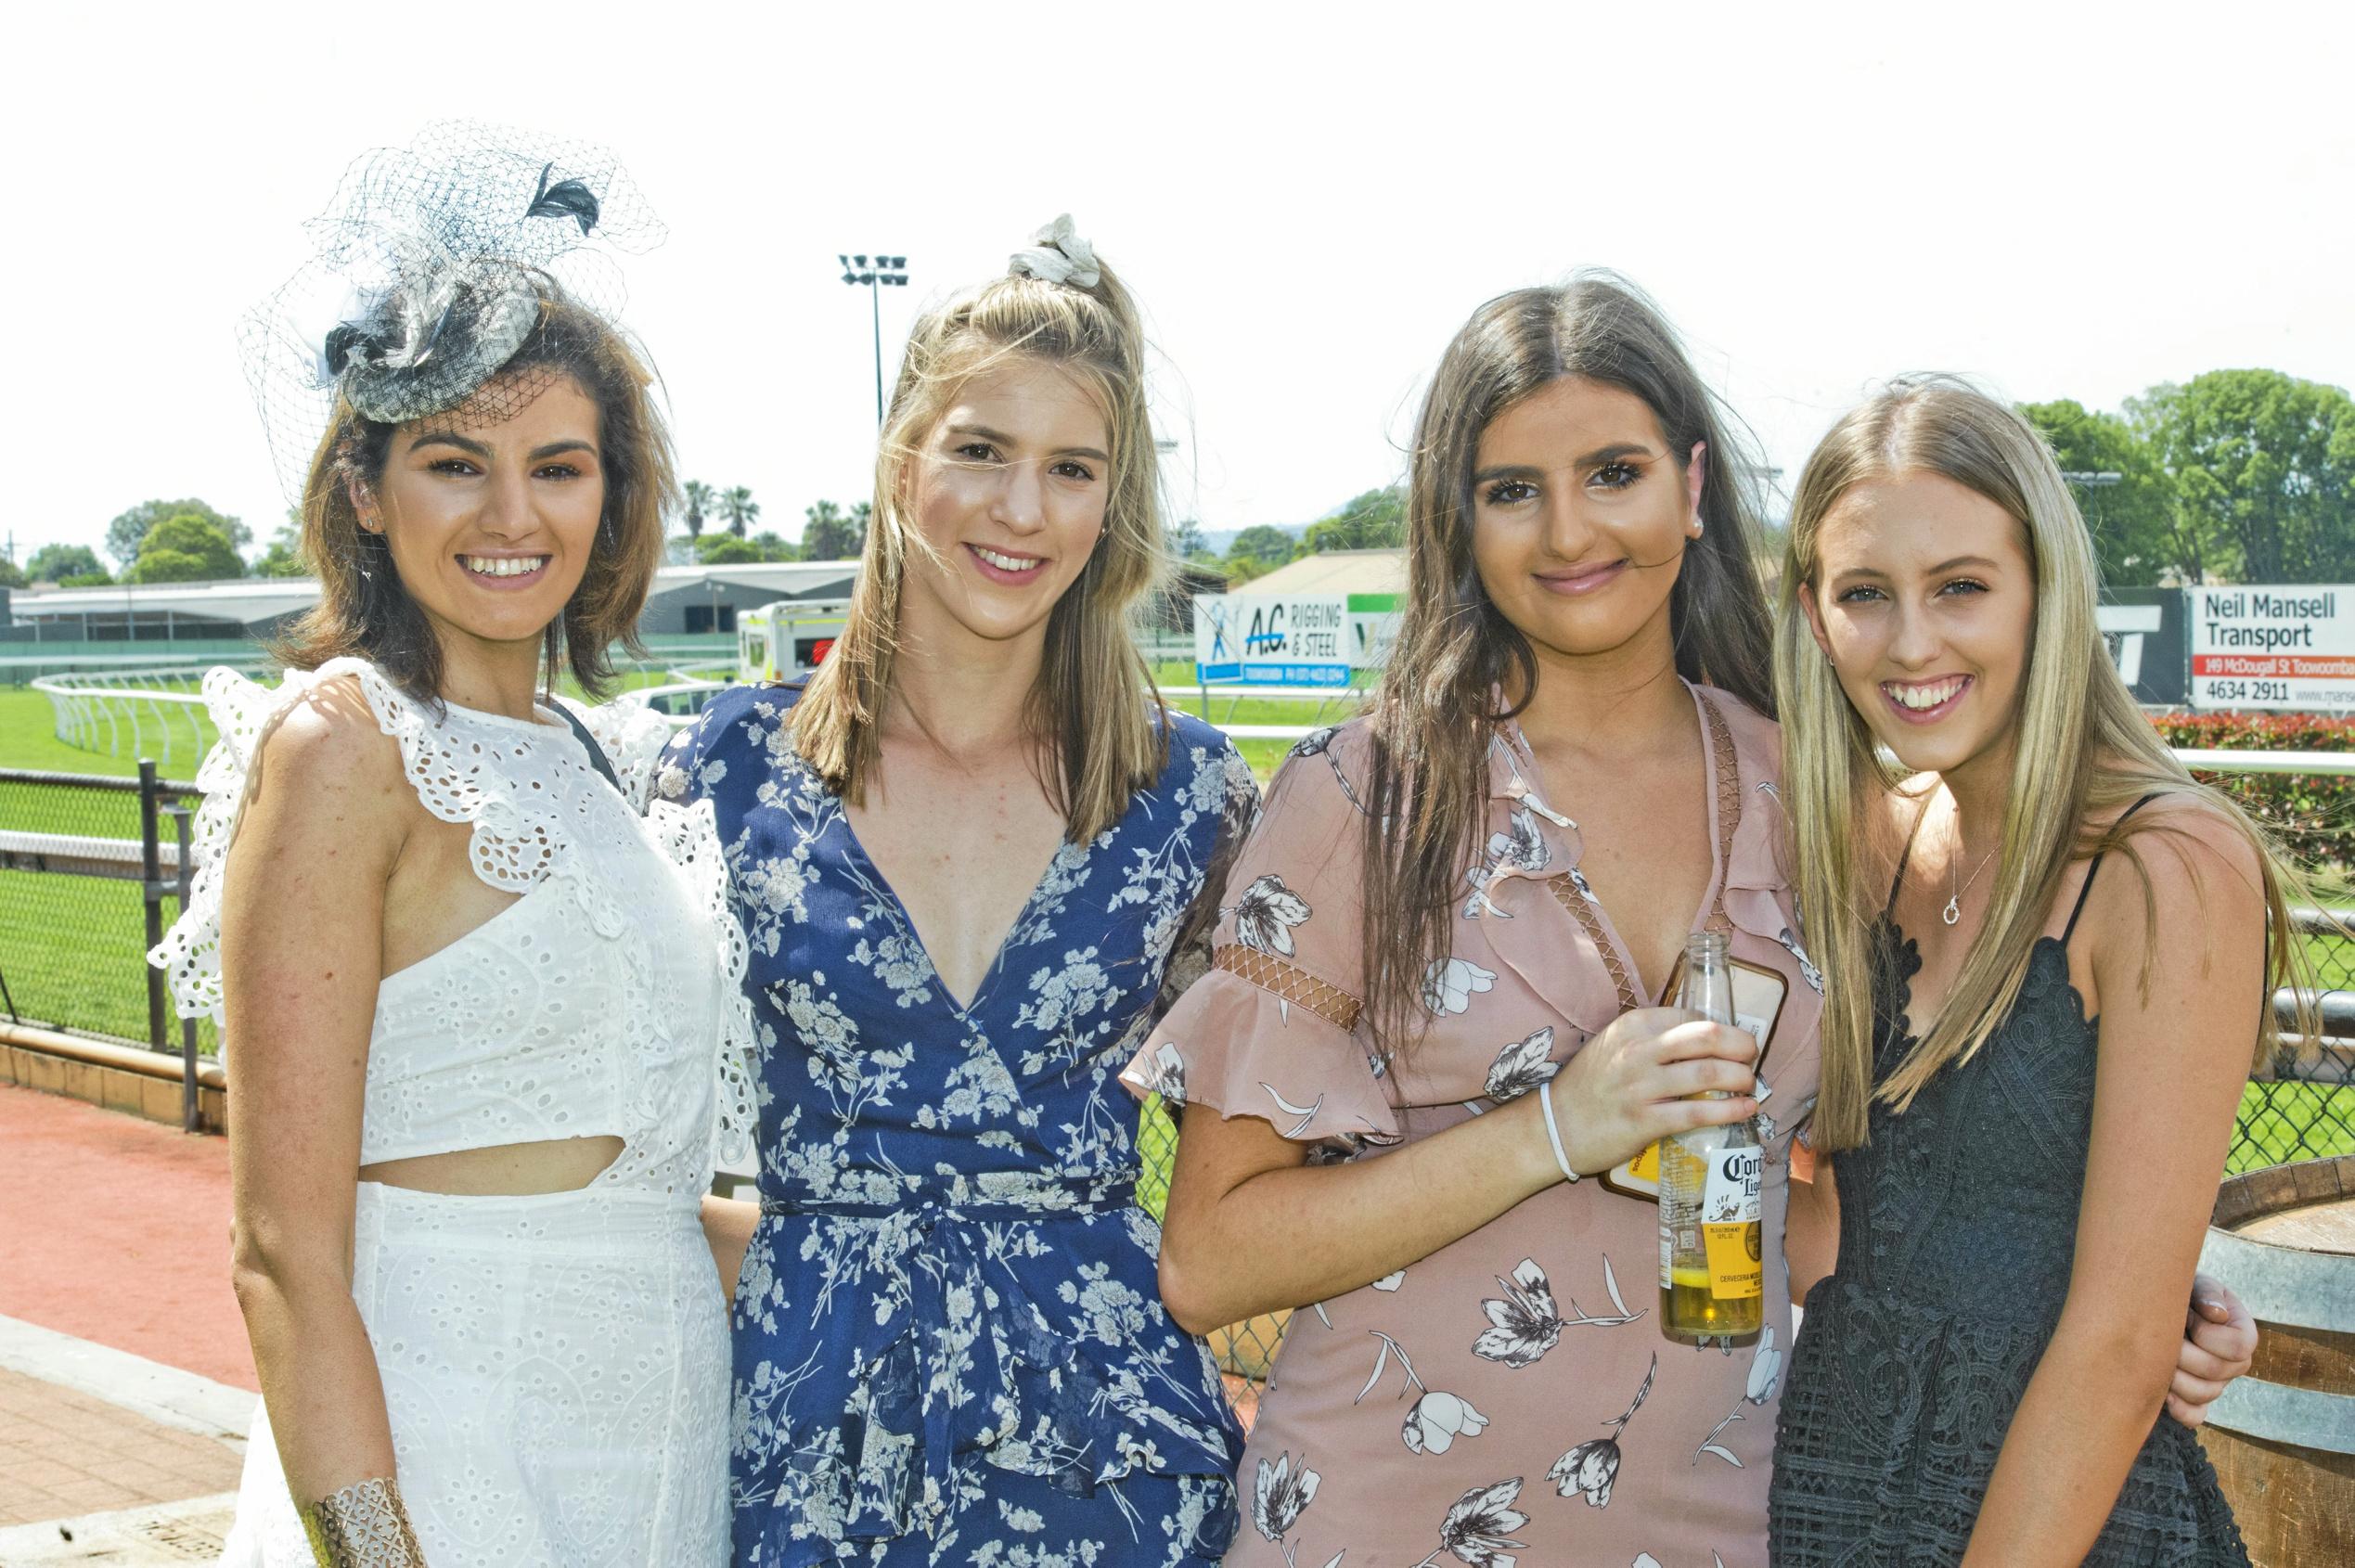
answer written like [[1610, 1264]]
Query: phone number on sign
[[2245, 691]]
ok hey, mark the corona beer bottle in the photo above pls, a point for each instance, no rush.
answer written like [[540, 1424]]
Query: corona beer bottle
[[1712, 1272]]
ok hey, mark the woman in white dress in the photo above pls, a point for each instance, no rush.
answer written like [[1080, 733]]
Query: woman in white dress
[[470, 994]]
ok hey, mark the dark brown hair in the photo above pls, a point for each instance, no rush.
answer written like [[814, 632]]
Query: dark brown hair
[[1433, 717], [363, 608]]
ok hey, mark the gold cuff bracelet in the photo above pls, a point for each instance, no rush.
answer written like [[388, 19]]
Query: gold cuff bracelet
[[364, 1526]]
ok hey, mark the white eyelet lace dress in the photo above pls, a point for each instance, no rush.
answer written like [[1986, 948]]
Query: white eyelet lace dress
[[556, 1367]]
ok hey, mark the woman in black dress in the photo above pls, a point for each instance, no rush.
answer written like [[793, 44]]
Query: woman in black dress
[[2047, 962]]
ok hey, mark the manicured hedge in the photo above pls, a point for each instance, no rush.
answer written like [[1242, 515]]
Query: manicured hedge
[[2313, 813]]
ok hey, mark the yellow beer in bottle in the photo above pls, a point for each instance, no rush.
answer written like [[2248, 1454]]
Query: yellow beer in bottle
[[1712, 1251]]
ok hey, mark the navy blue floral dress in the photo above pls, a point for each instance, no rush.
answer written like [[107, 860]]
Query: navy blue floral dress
[[949, 1345]]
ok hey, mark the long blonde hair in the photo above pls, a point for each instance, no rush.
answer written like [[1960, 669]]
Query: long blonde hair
[[1094, 704], [2083, 751]]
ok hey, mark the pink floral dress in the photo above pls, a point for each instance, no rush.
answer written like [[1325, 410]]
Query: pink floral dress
[[1508, 1398]]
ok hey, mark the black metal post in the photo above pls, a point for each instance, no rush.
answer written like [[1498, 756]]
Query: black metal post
[[151, 882]]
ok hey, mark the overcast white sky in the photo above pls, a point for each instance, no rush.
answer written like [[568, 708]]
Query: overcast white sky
[[1307, 200]]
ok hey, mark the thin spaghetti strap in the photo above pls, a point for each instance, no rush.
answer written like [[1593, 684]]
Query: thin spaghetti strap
[[2082, 893], [1906, 858]]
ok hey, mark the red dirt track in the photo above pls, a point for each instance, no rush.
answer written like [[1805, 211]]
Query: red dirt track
[[115, 1230]]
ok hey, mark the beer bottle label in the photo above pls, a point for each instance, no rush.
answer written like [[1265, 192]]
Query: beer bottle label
[[1731, 1209]]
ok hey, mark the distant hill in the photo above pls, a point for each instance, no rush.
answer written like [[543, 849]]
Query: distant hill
[[1216, 540]]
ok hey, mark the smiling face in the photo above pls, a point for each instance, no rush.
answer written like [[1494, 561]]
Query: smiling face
[[1925, 598], [491, 525], [1009, 492], [1581, 513]]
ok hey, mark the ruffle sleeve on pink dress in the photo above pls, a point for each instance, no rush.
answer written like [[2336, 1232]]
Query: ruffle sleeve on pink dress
[[1274, 1029]]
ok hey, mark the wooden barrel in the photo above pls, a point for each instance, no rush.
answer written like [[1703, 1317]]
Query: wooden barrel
[[2282, 1438]]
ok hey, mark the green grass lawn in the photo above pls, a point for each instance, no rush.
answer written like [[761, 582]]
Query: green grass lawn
[[27, 739]]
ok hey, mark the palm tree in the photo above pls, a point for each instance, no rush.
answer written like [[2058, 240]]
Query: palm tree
[[700, 497], [740, 508]]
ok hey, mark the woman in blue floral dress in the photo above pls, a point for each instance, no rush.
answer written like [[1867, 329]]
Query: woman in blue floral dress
[[949, 1345]]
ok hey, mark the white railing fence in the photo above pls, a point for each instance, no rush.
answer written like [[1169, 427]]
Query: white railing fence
[[160, 714]]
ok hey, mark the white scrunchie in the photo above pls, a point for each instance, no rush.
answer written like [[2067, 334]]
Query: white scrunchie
[[1058, 255]]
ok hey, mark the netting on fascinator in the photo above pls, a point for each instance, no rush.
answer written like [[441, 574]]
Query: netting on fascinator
[[433, 266]]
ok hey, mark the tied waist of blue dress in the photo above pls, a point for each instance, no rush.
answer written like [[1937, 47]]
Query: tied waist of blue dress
[[971, 1365], [1028, 1195]]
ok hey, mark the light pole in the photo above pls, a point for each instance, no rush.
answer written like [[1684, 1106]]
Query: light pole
[[876, 272]]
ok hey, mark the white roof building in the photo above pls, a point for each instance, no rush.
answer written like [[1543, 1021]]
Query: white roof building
[[684, 600]]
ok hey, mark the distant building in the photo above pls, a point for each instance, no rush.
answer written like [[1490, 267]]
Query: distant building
[[1335, 572], [686, 601]]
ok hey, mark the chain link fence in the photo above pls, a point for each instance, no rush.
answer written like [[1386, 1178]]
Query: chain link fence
[[82, 896], [2301, 1104]]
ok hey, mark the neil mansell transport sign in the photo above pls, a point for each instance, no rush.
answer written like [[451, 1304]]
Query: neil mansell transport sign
[[2274, 648]]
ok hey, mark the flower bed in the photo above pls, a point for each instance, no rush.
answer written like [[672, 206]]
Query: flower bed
[[2313, 813]]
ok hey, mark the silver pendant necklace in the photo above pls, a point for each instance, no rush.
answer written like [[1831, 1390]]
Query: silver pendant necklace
[[1953, 910]]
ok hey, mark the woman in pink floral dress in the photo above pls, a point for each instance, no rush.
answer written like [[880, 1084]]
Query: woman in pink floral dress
[[1434, 1005]]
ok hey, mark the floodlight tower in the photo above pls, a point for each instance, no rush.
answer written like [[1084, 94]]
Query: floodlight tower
[[878, 273]]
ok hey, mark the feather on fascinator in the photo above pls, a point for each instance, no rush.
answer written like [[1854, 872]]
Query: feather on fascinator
[[432, 266]]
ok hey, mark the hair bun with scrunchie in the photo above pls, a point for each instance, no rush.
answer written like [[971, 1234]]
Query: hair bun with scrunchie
[[1057, 254]]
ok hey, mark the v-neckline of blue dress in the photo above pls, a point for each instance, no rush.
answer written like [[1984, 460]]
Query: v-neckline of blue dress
[[907, 922]]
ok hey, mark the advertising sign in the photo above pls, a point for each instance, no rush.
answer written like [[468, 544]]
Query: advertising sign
[[2273, 647], [2144, 630], [1273, 640]]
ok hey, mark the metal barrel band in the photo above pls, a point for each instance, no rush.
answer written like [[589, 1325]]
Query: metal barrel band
[[2304, 1417], [2279, 1286]]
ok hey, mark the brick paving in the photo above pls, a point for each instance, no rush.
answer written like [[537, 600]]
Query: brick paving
[[113, 1234], [63, 1452]]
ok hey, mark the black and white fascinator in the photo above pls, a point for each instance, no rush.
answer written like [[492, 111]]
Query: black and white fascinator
[[1057, 254], [431, 267]]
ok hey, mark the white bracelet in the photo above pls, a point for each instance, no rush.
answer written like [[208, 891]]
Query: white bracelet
[[1553, 1134]]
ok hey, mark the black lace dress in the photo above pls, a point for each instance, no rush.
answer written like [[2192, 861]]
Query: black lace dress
[[1958, 1223]]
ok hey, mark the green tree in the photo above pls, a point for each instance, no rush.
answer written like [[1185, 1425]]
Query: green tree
[[1264, 545], [129, 530], [830, 534], [700, 502], [1185, 539], [726, 550], [2134, 520], [284, 558], [2264, 469], [739, 507], [11, 574], [1375, 520], [775, 546], [187, 548], [56, 563]]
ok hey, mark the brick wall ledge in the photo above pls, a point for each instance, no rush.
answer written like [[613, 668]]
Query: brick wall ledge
[[144, 1082]]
